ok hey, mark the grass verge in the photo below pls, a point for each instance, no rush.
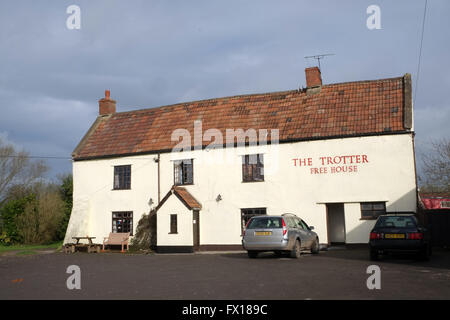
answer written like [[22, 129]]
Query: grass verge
[[26, 249]]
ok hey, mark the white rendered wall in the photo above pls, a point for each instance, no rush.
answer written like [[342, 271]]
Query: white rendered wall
[[184, 235], [388, 175]]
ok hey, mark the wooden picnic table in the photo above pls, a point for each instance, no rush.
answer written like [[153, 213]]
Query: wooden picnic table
[[84, 238], [91, 247]]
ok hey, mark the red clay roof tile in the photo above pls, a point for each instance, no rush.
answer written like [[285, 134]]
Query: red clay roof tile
[[343, 109]]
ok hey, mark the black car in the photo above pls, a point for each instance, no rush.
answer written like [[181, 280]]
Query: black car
[[399, 233]]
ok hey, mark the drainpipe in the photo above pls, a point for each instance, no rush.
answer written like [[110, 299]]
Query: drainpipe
[[157, 160], [159, 182]]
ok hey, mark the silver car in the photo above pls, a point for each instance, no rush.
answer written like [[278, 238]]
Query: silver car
[[282, 234]]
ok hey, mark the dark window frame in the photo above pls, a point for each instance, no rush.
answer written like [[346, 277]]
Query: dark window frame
[[247, 213], [369, 210], [173, 224], [124, 177], [122, 215], [253, 167], [186, 166]]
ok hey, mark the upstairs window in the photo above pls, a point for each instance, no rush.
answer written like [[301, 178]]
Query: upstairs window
[[253, 168], [122, 177], [183, 172], [371, 210]]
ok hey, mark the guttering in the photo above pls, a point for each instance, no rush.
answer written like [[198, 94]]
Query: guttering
[[385, 133]]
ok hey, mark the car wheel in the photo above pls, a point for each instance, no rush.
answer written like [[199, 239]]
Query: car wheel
[[296, 251], [373, 254], [252, 254], [315, 248]]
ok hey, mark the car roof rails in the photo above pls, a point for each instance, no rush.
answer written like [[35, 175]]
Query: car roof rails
[[288, 213]]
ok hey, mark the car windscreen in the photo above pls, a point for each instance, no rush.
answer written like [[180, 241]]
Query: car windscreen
[[396, 222], [265, 223]]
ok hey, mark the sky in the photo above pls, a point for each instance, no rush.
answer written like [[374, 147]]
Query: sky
[[153, 53]]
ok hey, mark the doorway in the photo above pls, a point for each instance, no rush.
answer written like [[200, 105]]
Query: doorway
[[336, 223]]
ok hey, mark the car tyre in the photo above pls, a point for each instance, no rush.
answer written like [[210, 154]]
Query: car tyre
[[296, 251], [279, 254], [315, 248], [252, 254]]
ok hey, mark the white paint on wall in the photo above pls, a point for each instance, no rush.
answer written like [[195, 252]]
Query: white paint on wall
[[357, 230], [387, 176], [184, 235]]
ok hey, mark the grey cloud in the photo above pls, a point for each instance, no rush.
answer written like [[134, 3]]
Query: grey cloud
[[152, 53]]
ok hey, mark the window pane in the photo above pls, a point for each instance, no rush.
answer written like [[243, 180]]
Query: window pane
[[266, 222], [122, 221], [397, 222], [253, 167], [366, 206], [371, 210], [173, 223], [183, 172], [122, 177], [253, 159], [176, 172], [378, 206]]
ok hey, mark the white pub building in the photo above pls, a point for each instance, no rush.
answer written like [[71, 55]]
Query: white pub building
[[336, 155]]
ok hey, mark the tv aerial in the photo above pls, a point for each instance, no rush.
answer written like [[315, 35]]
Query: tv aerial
[[319, 56]]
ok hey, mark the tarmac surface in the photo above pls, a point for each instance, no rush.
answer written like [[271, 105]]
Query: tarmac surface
[[333, 274]]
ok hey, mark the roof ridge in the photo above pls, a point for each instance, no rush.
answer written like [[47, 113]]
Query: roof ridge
[[209, 100], [254, 94]]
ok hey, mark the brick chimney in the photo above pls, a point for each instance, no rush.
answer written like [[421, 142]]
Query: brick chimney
[[313, 77], [106, 105]]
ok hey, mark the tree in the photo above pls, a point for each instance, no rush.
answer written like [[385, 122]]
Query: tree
[[10, 212], [436, 167], [41, 218], [66, 193], [17, 169]]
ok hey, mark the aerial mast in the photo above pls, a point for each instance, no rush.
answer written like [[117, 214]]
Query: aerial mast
[[318, 57]]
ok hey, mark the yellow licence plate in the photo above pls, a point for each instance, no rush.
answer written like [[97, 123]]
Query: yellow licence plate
[[394, 236], [263, 233]]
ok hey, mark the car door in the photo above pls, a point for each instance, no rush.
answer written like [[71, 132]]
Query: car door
[[303, 232], [310, 234]]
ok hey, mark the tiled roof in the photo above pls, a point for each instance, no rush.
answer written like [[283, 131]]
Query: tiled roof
[[185, 197], [342, 109]]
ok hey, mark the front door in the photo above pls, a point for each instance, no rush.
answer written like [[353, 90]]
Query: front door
[[336, 223], [196, 229]]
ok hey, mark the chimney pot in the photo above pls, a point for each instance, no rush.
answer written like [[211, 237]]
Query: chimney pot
[[313, 77], [106, 105]]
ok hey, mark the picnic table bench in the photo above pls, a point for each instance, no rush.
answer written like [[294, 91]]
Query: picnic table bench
[[119, 238], [91, 247]]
